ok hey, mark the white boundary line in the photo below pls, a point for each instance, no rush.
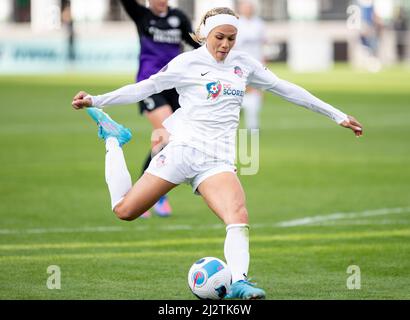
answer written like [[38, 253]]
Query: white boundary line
[[327, 219], [342, 215]]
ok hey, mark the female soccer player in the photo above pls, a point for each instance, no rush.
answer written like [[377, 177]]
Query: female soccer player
[[161, 31], [211, 83]]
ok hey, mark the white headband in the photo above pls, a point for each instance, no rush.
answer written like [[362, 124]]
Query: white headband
[[218, 20]]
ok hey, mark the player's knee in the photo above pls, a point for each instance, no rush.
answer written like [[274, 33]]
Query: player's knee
[[124, 213], [238, 214], [242, 213]]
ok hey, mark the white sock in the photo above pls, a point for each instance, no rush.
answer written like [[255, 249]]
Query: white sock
[[116, 173], [237, 250], [251, 105]]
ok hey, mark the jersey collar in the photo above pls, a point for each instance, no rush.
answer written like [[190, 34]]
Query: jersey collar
[[205, 52]]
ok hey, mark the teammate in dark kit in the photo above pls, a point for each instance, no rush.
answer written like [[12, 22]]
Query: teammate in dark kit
[[161, 30]]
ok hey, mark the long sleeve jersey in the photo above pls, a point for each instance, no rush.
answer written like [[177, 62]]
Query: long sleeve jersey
[[210, 95], [160, 36]]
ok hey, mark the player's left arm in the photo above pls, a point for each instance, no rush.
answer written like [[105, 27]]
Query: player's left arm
[[302, 97], [264, 79]]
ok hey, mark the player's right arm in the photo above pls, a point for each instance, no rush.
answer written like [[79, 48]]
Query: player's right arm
[[171, 76], [81, 100], [134, 9], [125, 95]]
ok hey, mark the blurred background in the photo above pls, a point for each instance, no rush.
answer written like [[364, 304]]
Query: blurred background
[[322, 200], [43, 36]]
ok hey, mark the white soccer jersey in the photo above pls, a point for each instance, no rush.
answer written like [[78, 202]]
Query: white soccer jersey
[[210, 95], [251, 37]]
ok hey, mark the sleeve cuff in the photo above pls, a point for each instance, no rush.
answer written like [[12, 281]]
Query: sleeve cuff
[[93, 101], [340, 118]]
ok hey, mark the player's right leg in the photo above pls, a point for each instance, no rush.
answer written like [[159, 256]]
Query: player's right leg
[[142, 196], [127, 202]]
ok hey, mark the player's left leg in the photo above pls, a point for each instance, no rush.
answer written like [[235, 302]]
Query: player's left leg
[[224, 194]]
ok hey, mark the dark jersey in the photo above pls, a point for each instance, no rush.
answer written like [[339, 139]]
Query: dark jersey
[[160, 37]]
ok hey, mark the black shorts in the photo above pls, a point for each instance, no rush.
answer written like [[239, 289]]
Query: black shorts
[[158, 100]]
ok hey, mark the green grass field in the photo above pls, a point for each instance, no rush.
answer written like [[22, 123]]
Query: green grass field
[[55, 207]]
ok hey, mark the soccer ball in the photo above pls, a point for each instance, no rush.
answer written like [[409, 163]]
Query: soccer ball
[[209, 278]]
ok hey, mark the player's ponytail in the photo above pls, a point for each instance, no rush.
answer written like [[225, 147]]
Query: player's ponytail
[[197, 36]]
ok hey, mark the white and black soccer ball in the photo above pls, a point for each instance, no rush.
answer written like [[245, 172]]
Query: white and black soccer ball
[[209, 278]]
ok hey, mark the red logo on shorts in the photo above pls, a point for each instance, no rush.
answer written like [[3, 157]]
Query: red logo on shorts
[[161, 161]]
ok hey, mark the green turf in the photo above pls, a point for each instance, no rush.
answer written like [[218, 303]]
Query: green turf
[[53, 196]]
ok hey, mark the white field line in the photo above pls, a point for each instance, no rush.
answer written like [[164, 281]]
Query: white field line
[[61, 230], [342, 215], [358, 222], [313, 220]]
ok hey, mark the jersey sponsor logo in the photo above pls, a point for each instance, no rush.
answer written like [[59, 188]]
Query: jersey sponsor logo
[[229, 91], [214, 89], [205, 73], [238, 71], [167, 36]]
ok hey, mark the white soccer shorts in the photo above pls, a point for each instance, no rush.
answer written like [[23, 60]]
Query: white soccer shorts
[[178, 164]]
